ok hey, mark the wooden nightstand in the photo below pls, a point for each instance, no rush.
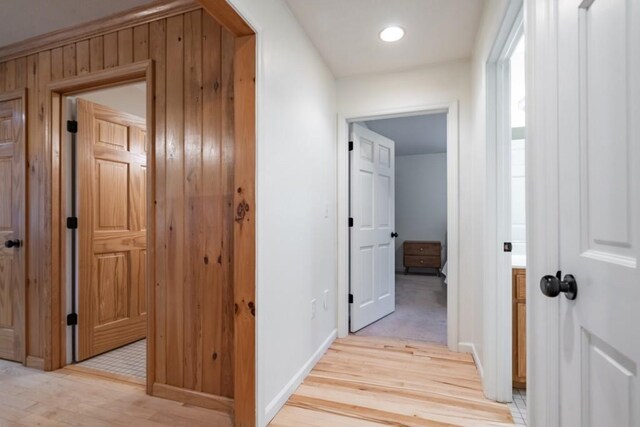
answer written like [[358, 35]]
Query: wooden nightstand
[[424, 254]]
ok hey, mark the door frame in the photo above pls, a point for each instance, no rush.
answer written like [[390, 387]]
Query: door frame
[[497, 295], [542, 182], [452, 110], [57, 115]]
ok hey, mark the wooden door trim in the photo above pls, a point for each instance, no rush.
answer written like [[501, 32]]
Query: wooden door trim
[[54, 119], [244, 239], [224, 13], [12, 95]]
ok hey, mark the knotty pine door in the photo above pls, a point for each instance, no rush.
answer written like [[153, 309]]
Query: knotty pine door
[[111, 153], [12, 227]]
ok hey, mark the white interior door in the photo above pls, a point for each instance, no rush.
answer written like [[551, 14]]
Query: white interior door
[[373, 212], [599, 162]]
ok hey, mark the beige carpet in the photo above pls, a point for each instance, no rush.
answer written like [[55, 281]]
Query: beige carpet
[[421, 311]]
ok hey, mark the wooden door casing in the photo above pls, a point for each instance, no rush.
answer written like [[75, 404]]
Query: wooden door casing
[[112, 157], [12, 226]]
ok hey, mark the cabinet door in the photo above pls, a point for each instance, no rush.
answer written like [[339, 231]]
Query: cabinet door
[[519, 328]]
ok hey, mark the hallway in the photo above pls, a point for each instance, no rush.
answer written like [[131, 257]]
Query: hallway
[[372, 381]]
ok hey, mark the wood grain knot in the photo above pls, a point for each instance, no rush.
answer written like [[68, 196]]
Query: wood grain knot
[[241, 211]]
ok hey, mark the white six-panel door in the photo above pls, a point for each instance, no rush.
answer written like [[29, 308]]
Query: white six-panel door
[[373, 211], [599, 162]]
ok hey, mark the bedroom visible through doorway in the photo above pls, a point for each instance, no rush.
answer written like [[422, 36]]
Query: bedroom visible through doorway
[[417, 226]]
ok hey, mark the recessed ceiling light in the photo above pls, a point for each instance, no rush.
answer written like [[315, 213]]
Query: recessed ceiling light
[[392, 34]]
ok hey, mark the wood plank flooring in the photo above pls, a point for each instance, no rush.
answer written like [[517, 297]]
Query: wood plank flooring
[[373, 381], [68, 398]]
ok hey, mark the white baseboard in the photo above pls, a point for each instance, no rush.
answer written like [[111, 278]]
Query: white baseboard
[[281, 398], [469, 347]]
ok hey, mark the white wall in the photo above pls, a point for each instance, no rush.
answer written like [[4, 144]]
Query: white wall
[[432, 85], [296, 187], [518, 204], [421, 200]]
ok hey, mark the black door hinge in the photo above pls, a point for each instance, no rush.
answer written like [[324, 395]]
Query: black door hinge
[[350, 222], [350, 145], [350, 298], [72, 223], [72, 126], [507, 246], [72, 319]]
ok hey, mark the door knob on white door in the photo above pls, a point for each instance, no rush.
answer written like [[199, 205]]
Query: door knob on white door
[[551, 286]]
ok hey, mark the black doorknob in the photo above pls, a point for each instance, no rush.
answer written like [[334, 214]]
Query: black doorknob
[[394, 234], [551, 286], [12, 243]]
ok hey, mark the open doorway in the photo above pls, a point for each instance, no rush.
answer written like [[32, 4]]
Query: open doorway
[[104, 172], [515, 179], [409, 217], [346, 267], [506, 238]]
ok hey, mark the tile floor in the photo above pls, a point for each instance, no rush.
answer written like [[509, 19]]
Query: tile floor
[[518, 407], [130, 360]]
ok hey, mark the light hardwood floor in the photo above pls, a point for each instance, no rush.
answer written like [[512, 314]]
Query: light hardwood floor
[[373, 381], [67, 398]]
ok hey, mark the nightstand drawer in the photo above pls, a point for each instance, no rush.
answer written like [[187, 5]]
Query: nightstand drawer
[[422, 261], [422, 248]]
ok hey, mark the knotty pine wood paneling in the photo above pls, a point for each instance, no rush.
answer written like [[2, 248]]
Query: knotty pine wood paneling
[[194, 126]]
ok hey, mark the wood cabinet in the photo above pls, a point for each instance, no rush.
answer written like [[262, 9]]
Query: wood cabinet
[[423, 254], [519, 283]]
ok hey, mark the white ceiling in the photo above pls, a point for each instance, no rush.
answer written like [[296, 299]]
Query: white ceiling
[[346, 32], [22, 19], [426, 134], [130, 98]]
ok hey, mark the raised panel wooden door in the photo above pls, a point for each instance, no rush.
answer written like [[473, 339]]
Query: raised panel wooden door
[[12, 226], [599, 193], [111, 149], [373, 212]]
